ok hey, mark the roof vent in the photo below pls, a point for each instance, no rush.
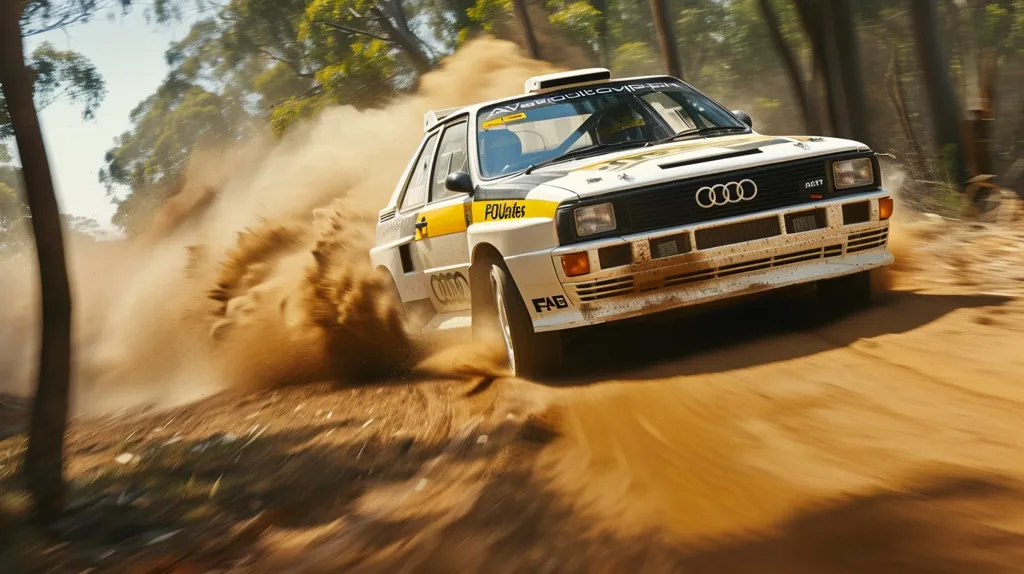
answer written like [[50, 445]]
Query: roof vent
[[540, 84]]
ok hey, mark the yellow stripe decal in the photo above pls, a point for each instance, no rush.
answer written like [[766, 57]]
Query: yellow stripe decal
[[632, 160], [503, 120], [490, 211], [443, 221]]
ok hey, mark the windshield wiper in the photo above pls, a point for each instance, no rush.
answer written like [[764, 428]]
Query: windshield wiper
[[701, 132], [583, 151]]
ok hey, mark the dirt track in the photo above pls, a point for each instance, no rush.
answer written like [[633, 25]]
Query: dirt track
[[740, 440]]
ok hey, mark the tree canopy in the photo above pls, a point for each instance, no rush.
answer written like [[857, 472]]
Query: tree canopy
[[281, 62]]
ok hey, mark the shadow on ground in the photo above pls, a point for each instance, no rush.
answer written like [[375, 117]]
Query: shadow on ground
[[198, 506], [518, 526], [756, 331]]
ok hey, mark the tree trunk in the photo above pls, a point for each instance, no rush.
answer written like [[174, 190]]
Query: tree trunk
[[894, 87], [796, 79], [404, 38], [44, 458], [602, 32], [945, 110], [664, 29], [821, 83], [848, 71], [529, 38]]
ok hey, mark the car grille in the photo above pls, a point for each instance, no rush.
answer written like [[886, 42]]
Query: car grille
[[778, 186], [590, 291], [741, 232], [867, 240]]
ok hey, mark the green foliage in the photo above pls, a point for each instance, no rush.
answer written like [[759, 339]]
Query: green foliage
[[293, 111], [12, 213], [635, 59], [40, 16], [59, 75], [578, 19], [65, 74], [283, 61], [1002, 27], [485, 13], [168, 126]]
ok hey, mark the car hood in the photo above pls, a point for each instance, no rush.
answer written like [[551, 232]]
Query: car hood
[[683, 160]]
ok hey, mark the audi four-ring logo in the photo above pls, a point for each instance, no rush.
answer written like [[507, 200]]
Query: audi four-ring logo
[[723, 193]]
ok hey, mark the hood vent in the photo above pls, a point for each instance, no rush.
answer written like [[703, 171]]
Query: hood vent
[[709, 158]]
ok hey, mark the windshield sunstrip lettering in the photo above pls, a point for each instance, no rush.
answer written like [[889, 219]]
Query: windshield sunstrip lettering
[[581, 93]]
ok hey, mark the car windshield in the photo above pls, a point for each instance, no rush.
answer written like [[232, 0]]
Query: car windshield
[[516, 134]]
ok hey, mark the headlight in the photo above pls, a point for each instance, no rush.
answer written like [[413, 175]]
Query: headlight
[[853, 173], [594, 219]]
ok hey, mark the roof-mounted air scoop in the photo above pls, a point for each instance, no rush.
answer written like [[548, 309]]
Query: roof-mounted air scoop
[[548, 82]]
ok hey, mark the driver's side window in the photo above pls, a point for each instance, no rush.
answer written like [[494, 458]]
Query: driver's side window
[[416, 187], [451, 157]]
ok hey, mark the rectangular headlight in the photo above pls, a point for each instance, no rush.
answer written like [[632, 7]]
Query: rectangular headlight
[[853, 173], [594, 219]]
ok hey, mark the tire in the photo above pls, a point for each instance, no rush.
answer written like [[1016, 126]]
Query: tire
[[840, 295], [530, 354]]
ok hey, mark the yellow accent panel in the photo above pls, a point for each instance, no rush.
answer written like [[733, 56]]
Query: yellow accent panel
[[503, 120], [632, 160], [442, 221], [505, 210]]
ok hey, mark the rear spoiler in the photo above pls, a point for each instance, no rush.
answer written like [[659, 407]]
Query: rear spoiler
[[431, 118]]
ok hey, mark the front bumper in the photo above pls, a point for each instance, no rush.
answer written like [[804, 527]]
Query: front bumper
[[841, 245]]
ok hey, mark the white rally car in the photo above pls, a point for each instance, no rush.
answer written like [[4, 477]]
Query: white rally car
[[590, 199]]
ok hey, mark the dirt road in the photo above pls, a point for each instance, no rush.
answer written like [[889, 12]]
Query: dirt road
[[740, 440]]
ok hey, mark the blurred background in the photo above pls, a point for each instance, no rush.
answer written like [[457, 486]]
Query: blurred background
[[218, 167], [935, 83]]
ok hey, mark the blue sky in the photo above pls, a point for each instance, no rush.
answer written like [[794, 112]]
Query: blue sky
[[128, 51]]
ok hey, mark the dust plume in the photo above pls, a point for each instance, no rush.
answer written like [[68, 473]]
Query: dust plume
[[257, 274]]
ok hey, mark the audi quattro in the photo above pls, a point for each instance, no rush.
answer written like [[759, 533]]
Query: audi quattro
[[589, 199]]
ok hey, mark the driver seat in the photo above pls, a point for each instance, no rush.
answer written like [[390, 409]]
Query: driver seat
[[499, 149], [620, 124]]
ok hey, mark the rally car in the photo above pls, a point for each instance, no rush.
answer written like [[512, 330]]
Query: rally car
[[589, 199]]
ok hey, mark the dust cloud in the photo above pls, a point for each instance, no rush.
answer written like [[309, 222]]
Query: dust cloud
[[257, 274]]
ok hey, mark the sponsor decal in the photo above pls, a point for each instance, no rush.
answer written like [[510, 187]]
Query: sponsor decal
[[511, 209], [542, 304], [440, 221], [802, 145], [499, 211], [626, 177], [593, 180], [450, 288], [814, 183], [581, 93], [503, 120]]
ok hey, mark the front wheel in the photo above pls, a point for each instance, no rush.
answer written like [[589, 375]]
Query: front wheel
[[530, 354]]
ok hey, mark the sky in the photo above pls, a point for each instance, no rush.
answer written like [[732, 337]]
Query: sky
[[128, 52]]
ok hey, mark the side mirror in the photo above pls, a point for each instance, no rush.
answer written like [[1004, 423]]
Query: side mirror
[[744, 117], [459, 181]]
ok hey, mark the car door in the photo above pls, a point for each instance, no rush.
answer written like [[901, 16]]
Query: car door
[[411, 282], [441, 242]]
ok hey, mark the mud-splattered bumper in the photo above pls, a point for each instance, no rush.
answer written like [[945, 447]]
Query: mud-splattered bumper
[[717, 260]]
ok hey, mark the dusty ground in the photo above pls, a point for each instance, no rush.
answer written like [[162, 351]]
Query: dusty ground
[[750, 439]]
